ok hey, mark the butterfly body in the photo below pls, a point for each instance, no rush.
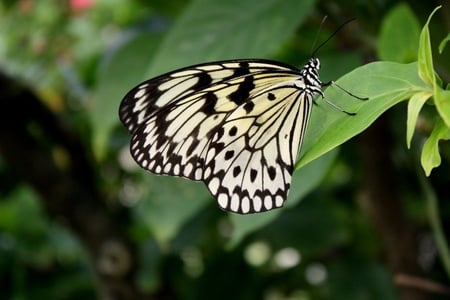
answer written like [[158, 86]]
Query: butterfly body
[[236, 125]]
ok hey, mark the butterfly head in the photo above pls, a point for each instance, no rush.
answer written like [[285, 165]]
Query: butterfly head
[[310, 75], [313, 63], [311, 68]]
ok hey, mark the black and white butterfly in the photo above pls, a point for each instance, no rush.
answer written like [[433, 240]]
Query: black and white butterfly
[[236, 125]]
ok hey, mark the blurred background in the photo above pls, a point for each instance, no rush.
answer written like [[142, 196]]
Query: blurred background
[[80, 220]]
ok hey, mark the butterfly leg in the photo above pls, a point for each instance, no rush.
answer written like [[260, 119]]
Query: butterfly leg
[[331, 82]]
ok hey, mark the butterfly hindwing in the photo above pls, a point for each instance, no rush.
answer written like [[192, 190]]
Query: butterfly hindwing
[[236, 125], [251, 157]]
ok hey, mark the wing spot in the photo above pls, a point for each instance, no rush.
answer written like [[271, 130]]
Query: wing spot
[[176, 169], [271, 96], [245, 205], [213, 186], [198, 174], [272, 173], [257, 203], [140, 93], [207, 172], [144, 163], [249, 107], [279, 201], [233, 131], [187, 170], [253, 174], [268, 204], [229, 154], [222, 200], [167, 168], [210, 103], [243, 91], [234, 205], [236, 171]]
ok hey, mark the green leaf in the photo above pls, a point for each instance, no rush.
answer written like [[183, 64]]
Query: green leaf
[[425, 59], [414, 107], [384, 83], [167, 203], [303, 181], [430, 157], [214, 30], [444, 43], [442, 101], [441, 97], [399, 35], [123, 70]]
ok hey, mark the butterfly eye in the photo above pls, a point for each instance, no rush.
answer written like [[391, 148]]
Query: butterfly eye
[[317, 63]]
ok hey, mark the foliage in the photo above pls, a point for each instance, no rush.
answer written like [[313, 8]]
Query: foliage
[[82, 59]]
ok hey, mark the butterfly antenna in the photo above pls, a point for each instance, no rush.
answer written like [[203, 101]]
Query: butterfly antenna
[[317, 35], [329, 38]]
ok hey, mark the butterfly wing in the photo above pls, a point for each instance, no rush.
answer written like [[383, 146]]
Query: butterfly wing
[[158, 94], [250, 159], [182, 124]]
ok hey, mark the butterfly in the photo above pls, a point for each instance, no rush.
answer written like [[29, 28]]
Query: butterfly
[[236, 125]]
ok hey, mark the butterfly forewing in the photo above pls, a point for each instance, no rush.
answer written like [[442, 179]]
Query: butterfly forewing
[[157, 93], [236, 125]]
